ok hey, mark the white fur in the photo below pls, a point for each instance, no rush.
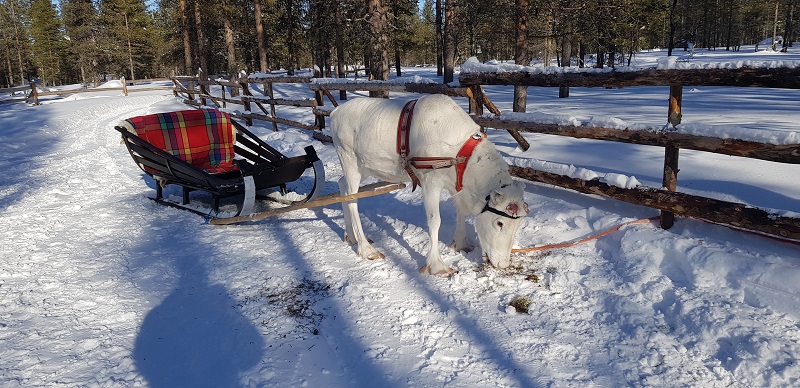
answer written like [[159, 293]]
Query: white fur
[[365, 136]]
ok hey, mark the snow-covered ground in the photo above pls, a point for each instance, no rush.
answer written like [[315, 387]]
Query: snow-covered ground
[[102, 287]]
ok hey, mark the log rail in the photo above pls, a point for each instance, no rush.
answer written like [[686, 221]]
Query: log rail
[[666, 199]]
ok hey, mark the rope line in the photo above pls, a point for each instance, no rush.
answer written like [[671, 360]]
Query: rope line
[[587, 239], [643, 221]]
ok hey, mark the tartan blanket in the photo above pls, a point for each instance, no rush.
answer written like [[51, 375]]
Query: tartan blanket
[[203, 138]]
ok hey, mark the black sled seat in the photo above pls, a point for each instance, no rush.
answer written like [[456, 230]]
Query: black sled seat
[[204, 149]]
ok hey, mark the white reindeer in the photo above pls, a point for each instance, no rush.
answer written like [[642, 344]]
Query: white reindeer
[[365, 134]]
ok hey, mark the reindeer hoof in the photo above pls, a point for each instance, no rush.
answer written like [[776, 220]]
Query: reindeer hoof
[[375, 256], [442, 273]]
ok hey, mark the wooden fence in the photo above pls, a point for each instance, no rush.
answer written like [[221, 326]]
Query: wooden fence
[[667, 199], [197, 92], [24, 91], [32, 94]]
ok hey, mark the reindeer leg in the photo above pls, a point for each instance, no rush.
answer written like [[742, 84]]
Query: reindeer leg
[[460, 242], [348, 225], [348, 184], [431, 193]]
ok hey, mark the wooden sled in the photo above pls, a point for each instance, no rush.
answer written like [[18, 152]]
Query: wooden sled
[[204, 149]]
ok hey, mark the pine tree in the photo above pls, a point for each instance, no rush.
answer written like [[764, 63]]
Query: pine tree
[[16, 38], [128, 39], [48, 48], [379, 61], [82, 25]]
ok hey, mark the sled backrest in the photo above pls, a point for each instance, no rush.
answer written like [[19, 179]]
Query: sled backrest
[[204, 138]]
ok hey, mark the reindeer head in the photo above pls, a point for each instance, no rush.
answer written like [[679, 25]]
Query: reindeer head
[[499, 221]]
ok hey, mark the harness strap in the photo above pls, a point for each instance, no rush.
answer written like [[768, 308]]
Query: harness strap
[[403, 131], [487, 208], [431, 163], [463, 156], [460, 161]]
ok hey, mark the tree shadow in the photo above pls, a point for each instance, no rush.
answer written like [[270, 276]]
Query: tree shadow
[[22, 151], [195, 337]]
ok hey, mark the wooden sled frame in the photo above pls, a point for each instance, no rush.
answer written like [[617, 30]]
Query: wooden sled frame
[[258, 166]]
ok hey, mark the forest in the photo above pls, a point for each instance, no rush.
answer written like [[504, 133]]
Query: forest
[[88, 41]]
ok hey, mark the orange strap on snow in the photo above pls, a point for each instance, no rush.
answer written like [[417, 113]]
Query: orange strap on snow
[[587, 239], [643, 221]]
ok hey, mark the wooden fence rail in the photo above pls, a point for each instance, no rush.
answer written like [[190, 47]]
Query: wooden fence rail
[[239, 92], [24, 90], [34, 95], [750, 77], [667, 199]]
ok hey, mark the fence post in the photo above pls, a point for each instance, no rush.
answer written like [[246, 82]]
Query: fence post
[[318, 101], [268, 88], [190, 88], [174, 86], [34, 94], [200, 78], [475, 96], [246, 92], [224, 104], [674, 114], [671, 152]]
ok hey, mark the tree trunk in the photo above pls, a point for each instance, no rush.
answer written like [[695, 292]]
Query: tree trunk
[[201, 40], [396, 12], [262, 51], [788, 30], [449, 41], [566, 56], [230, 45], [9, 76], [188, 68], [775, 28], [19, 46], [341, 69], [130, 50], [379, 61], [439, 39], [290, 44], [672, 26], [521, 56]]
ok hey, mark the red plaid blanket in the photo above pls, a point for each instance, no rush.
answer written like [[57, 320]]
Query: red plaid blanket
[[202, 137]]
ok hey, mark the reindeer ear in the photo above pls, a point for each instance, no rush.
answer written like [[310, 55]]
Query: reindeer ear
[[519, 184], [495, 197]]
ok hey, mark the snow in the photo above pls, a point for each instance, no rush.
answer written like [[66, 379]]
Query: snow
[[111, 84], [415, 79], [723, 131], [102, 287]]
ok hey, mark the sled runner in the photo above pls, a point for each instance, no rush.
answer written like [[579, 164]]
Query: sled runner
[[204, 149]]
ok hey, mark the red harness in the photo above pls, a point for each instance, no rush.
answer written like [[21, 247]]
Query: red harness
[[431, 163]]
